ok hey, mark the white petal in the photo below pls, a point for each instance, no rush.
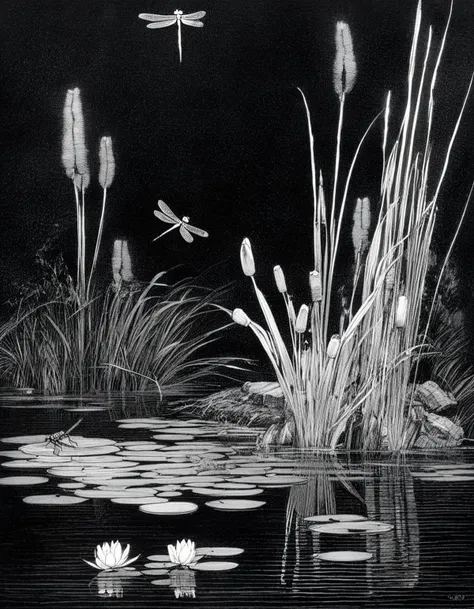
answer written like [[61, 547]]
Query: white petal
[[92, 564], [110, 560], [124, 556], [118, 552], [100, 553], [172, 554], [129, 562]]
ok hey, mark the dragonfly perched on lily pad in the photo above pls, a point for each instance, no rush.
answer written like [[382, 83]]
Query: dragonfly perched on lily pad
[[161, 21], [185, 229]]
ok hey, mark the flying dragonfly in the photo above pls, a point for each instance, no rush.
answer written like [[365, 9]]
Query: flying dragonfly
[[185, 229], [160, 21]]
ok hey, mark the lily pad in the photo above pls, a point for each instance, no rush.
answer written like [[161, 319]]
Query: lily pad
[[172, 508], [161, 582], [219, 551], [141, 425], [159, 558], [14, 454], [235, 504], [53, 500], [344, 556], [222, 492], [234, 485], [170, 494], [328, 518], [113, 493], [172, 436], [155, 572], [28, 464], [25, 439], [138, 500], [88, 448], [22, 480], [160, 564], [214, 566], [350, 528], [71, 485]]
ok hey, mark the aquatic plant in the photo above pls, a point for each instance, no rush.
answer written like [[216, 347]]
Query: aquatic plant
[[183, 553], [352, 386], [110, 557]]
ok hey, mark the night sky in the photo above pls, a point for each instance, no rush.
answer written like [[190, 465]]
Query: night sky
[[221, 137]]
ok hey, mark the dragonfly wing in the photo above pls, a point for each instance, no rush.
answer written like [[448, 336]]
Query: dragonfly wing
[[152, 17], [163, 218], [183, 231], [197, 231], [161, 24], [198, 15], [167, 211], [193, 23]]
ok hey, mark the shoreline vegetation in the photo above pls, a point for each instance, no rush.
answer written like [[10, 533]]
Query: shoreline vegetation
[[348, 364]]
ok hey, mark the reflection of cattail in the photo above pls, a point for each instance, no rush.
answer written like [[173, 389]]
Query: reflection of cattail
[[361, 225], [240, 317], [345, 67], [121, 262], [401, 312], [246, 258], [315, 286], [279, 279], [302, 319], [74, 153], [107, 162], [333, 346]]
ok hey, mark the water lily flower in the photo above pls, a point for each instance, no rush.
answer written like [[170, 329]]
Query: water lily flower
[[183, 553], [111, 557]]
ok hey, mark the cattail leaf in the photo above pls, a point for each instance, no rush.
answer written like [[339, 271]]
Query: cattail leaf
[[345, 66]]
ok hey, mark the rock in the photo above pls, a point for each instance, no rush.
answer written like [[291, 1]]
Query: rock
[[437, 431], [433, 398], [266, 393]]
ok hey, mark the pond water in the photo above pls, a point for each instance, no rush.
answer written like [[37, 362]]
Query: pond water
[[131, 473]]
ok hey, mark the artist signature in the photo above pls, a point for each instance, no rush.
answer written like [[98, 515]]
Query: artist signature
[[456, 597]]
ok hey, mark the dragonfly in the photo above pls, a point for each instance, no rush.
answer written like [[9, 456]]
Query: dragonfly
[[185, 229], [160, 21]]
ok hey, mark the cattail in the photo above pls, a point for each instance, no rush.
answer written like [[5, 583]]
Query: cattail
[[127, 273], [74, 153], [121, 262], [280, 279], [345, 67], [240, 317], [117, 261], [302, 319], [315, 286], [361, 225], [321, 199], [107, 162], [401, 312], [333, 346], [246, 258]]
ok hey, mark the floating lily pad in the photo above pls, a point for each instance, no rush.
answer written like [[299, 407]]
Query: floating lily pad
[[160, 564], [161, 582], [247, 473], [168, 487], [71, 485], [349, 528], [113, 492], [121, 482], [28, 464], [14, 454], [234, 485], [328, 518], [155, 572], [138, 500], [171, 508], [344, 556], [214, 566], [235, 504], [83, 448], [172, 436], [154, 420], [170, 494], [22, 480], [159, 558], [223, 492], [53, 500], [219, 551], [25, 439], [141, 425]]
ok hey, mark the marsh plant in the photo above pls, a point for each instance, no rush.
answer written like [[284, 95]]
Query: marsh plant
[[71, 335], [349, 385]]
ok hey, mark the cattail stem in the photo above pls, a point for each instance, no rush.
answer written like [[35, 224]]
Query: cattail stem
[[98, 241]]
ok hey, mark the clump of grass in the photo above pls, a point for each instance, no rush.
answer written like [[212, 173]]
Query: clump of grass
[[352, 386]]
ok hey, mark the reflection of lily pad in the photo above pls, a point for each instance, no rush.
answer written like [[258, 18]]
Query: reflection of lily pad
[[172, 508], [22, 480], [223, 492], [53, 500], [235, 504], [349, 528], [219, 551], [327, 518], [214, 566], [138, 500], [344, 556]]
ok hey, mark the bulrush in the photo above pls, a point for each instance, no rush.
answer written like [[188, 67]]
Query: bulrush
[[345, 66], [107, 162], [240, 317], [401, 312], [361, 225], [280, 279], [333, 346], [74, 152], [302, 319], [121, 262], [246, 258], [315, 286]]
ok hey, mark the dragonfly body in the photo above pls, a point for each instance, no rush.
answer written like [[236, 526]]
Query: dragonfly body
[[162, 21], [185, 229]]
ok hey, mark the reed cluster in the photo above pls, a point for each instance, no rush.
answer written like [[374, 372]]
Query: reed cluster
[[350, 385]]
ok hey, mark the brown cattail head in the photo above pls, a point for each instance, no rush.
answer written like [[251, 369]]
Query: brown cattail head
[[280, 279], [333, 346], [302, 319], [127, 272], [74, 153], [315, 286], [240, 317], [107, 162], [121, 262], [361, 225], [246, 258], [345, 66], [401, 312], [117, 261]]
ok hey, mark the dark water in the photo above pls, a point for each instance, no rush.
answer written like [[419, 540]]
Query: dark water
[[424, 561]]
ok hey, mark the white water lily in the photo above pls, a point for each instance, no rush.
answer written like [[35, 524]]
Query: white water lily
[[109, 557], [183, 553]]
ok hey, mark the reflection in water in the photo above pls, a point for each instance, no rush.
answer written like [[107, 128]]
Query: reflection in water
[[113, 583], [388, 497], [183, 581]]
